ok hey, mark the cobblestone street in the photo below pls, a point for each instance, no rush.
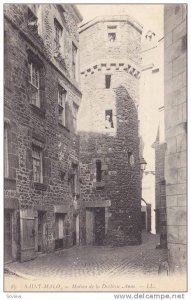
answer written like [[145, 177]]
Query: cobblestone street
[[104, 269], [95, 261]]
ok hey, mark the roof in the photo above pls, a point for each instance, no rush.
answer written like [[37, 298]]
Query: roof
[[77, 12]]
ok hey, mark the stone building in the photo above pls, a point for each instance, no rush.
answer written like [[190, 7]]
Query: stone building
[[175, 54], [41, 151], [108, 128], [151, 98], [160, 183]]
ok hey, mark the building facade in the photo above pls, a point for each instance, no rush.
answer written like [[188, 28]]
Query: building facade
[[151, 98], [108, 128], [160, 183], [175, 102], [41, 149]]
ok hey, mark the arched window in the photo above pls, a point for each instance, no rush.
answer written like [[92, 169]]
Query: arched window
[[98, 171]]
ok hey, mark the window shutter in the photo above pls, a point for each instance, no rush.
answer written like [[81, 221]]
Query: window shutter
[[67, 114], [33, 95], [46, 170], [42, 90]]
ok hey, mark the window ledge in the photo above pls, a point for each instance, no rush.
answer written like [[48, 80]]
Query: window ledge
[[38, 110], [40, 186]]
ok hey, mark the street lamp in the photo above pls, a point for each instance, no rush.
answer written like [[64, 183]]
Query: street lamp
[[143, 164]]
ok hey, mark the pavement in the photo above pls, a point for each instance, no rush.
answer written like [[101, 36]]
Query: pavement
[[93, 261]]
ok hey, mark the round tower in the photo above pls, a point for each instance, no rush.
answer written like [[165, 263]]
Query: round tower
[[108, 127]]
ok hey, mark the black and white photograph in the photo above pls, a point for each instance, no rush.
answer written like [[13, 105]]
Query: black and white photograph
[[95, 147]]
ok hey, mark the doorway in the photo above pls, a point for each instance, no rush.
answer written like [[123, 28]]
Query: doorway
[[41, 230], [99, 226], [143, 219], [8, 235], [60, 230], [76, 230], [95, 226], [28, 231]]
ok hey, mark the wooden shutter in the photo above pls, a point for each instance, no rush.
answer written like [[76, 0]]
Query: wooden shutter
[[28, 225], [67, 115]]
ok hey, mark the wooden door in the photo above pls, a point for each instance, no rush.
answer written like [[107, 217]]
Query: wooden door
[[29, 237], [90, 220], [99, 226], [76, 230], [8, 235], [60, 230], [41, 231]]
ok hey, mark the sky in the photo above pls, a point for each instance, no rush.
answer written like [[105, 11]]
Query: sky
[[150, 16]]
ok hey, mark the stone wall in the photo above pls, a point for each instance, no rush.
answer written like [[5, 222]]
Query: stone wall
[[95, 38], [160, 192], [175, 47], [119, 190], [27, 123]]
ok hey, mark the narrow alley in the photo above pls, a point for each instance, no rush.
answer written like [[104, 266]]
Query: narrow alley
[[93, 262]]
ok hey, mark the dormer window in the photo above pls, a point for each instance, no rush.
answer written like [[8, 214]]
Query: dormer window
[[32, 21], [58, 33], [111, 33]]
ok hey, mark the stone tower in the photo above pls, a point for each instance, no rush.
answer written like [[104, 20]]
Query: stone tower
[[108, 127]]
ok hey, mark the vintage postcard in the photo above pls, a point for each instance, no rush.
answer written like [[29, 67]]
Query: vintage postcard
[[95, 147]]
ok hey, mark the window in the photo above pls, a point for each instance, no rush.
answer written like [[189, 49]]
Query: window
[[37, 164], [35, 84], [6, 158], [62, 175], [32, 20], [98, 171], [58, 33], [111, 33], [61, 106], [107, 81], [131, 160], [74, 61], [108, 119], [75, 112]]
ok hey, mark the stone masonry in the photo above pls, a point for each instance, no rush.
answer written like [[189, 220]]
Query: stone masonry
[[27, 124], [111, 196], [160, 190], [175, 50]]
